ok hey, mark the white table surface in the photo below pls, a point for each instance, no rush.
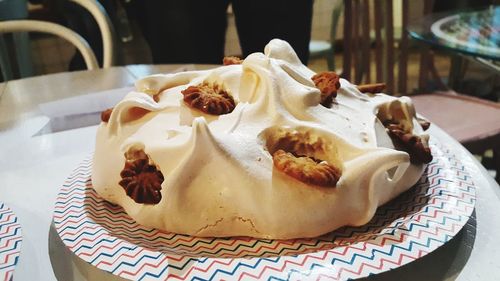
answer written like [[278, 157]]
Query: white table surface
[[34, 166]]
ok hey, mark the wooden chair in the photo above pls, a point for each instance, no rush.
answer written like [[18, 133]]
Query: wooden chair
[[358, 40], [473, 122]]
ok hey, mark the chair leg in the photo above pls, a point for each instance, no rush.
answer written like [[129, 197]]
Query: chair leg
[[496, 162], [456, 72], [23, 54], [5, 65], [330, 60]]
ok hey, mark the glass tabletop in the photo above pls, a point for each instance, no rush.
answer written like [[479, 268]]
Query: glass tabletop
[[475, 33]]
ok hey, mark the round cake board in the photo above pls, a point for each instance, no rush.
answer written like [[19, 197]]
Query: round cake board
[[407, 228]]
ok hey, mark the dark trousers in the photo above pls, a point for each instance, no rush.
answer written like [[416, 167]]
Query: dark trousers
[[193, 31]]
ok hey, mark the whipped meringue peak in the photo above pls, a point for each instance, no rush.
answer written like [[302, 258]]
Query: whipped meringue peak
[[250, 149]]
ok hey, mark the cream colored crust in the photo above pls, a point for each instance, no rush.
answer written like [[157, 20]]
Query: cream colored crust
[[219, 176]]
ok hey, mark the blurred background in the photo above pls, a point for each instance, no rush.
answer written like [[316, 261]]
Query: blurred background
[[415, 47], [50, 54]]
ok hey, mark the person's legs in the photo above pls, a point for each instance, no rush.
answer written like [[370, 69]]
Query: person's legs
[[444, 6], [259, 21], [184, 31]]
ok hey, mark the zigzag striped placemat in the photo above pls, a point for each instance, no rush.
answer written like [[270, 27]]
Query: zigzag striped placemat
[[407, 228], [10, 242]]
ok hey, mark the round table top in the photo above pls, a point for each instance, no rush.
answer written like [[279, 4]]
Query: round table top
[[48, 125], [474, 33]]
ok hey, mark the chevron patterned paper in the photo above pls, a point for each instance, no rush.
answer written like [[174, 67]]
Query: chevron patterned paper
[[405, 229], [10, 242]]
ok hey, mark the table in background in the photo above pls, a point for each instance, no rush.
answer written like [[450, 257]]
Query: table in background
[[34, 166], [471, 35]]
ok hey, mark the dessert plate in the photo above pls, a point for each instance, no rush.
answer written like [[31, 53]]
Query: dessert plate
[[10, 242], [405, 229]]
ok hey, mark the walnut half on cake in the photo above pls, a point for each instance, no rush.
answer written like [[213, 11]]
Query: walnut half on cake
[[264, 148]]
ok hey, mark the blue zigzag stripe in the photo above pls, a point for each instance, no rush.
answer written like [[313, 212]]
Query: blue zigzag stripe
[[9, 223], [17, 232], [85, 233], [73, 184], [16, 245], [5, 266]]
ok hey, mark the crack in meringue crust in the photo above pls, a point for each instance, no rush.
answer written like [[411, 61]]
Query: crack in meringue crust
[[218, 176]]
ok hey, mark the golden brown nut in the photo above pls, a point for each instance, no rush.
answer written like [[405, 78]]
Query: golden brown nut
[[371, 88], [410, 143], [306, 169], [106, 114], [424, 123], [328, 83], [209, 98], [142, 181], [297, 142], [231, 60]]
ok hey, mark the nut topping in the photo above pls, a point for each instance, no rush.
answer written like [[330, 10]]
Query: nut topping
[[298, 143], [306, 169], [410, 143], [106, 114], [371, 88], [231, 60], [328, 83], [142, 181], [424, 123], [209, 98]]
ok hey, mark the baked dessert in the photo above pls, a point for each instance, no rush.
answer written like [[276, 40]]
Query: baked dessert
[[262, 147]]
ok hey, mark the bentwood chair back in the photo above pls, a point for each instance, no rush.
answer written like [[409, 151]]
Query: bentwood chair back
[[54, 29], [473, 122], [20, 27], [105, 26]]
